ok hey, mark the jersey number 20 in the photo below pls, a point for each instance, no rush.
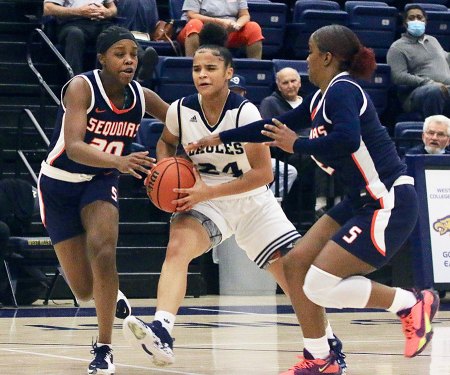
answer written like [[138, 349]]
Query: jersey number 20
[[114, 148]]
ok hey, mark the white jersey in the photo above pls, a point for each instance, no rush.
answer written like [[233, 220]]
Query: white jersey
[[216, 164]]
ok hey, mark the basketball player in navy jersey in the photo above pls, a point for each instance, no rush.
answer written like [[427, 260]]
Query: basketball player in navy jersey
[[97, 121], [364, 231]]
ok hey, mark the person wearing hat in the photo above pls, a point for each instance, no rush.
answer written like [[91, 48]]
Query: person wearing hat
[[237, 84]]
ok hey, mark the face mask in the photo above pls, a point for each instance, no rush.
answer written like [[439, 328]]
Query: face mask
[[416, 28]]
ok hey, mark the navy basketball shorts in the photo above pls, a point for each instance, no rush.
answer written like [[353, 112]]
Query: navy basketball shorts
[[375, 231], [61, 202]]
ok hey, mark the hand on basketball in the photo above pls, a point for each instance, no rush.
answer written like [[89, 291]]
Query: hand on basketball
[[136, 162], [197, 193], [210, 140], [282, 136]]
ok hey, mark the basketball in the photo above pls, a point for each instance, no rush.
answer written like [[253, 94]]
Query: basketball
[[167, 174]]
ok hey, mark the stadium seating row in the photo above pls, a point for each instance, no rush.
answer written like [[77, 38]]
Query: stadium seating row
[[376, 22], [174, 79]]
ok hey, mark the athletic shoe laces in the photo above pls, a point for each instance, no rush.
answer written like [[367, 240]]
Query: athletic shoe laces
[[408, 326], [100, 353], [304, 363]]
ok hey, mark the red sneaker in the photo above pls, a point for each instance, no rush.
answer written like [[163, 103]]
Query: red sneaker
[[311, 366], [416, 322]]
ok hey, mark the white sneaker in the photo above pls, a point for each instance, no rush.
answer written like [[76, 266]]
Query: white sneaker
[[153, 339], [123, 308]]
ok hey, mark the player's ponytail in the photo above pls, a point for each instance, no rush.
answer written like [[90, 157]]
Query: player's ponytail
[[343, 43]]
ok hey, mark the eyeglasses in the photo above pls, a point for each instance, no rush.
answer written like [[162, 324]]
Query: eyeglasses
[[432, 133]]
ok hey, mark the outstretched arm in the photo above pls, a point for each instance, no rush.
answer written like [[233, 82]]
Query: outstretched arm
[[297, 118]]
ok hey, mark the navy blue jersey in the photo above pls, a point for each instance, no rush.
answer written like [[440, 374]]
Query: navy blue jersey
[[346, 137], [108, 129]]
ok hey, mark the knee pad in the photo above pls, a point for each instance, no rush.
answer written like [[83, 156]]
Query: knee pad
[[327, 290], [318, 286]]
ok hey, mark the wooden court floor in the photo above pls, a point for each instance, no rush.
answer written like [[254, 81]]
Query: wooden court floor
[[220, 335]]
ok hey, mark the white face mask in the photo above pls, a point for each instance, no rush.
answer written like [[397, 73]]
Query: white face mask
[[416, 28]]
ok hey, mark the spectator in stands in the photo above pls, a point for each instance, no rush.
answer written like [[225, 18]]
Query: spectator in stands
[[231, 15], [80, 22], [435, 137], [285, 97], [420, 67], [237, 84]]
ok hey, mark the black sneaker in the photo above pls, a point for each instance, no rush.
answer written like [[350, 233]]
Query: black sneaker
[[152, 338], [336, 348], [103, 360], [123, 308]]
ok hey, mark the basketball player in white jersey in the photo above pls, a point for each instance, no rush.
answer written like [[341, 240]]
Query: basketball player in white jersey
[[230, 197]]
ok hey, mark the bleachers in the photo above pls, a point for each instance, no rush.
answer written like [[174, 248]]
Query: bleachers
[[286, 26], [375, 23], [407, 134], [308, 17], [272, 19]]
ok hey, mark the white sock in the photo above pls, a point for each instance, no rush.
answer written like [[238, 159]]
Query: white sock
[[320, 202], [403, 299], [167, 319], [329, 332], [318, 348]]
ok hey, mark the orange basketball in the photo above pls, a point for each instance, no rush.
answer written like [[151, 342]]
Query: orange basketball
[[167, 174]]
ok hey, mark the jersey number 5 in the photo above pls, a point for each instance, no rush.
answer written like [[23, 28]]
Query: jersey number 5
[[352, 234]]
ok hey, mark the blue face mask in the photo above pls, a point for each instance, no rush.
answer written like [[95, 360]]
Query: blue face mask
[[416, 28]]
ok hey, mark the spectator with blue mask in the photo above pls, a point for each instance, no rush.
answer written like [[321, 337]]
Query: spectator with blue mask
[[420, 67]]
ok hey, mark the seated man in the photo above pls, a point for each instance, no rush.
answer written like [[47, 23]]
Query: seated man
[[420, 67], [233, 16], [80, 22], [435, 137], [237, 84], [285, 97]]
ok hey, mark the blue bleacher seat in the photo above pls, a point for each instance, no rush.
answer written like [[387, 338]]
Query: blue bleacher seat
[[148, 134], [272, 19], [174, 78], [259, 77], [378, 87], [432, 2], [375, 23], [308, 17], [302, 68], [407, 134], [302, 5]]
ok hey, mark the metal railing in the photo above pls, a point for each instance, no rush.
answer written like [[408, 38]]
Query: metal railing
[[21, 152]]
